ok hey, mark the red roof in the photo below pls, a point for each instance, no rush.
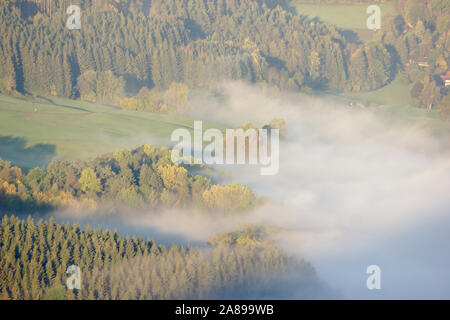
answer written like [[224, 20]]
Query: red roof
[[446, 77]]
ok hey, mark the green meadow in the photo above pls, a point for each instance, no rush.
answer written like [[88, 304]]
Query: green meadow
[[392, 104], [352, 16], [349, 16], [395, 93], [32, 133]]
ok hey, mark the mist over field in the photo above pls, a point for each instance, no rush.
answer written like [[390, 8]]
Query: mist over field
[[356, 190], [353, 190]]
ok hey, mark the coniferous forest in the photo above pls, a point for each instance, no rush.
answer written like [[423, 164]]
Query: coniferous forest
[[157, 43], [34, 258], [125, 46]]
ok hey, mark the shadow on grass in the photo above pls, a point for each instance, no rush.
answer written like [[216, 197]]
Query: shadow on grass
[[16, 151], [51, 101]]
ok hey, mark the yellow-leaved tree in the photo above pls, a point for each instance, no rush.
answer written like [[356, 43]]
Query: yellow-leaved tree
[[230, 198], [89, 182]]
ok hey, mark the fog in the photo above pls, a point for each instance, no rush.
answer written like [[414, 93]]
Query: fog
[[356, 187]]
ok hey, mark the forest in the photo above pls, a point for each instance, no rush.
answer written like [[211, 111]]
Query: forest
[[34, 258], [126, 46], [144, 178]]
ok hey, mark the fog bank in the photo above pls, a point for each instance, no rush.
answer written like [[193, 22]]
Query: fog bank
[[359, 187], [356, 187]]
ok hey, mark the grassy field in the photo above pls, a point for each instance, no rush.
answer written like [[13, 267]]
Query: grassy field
[[415, 118], [392, 104], [343, 16], [352, 17], [33, 133], [395, 93]]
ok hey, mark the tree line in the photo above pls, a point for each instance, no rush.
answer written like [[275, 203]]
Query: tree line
[[141, 178], [126, 46], [157, 43]]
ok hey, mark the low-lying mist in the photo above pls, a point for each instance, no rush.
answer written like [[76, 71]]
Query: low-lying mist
[[356, 187]]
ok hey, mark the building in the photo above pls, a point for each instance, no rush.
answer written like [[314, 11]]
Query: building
[[445, 80]]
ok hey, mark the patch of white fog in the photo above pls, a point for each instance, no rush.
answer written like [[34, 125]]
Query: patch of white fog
[[357, 189], [354, 189]]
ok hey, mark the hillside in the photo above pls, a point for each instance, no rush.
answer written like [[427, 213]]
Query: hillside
[[36, 131]]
